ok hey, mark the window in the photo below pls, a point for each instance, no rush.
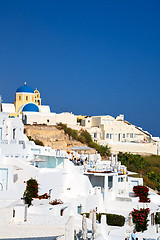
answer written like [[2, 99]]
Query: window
[[111, 136], [47, 120], [131, 135], [119, 137], [19, 98], [26, 98], [127, 135], [107, 135], [110, 181], [14, 212], [95, 135], [120, 179], [123, 135], [115, 136], [135, 135], [14, 133]]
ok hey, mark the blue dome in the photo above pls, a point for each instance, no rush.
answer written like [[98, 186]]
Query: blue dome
[[30, 107], [26, 89]]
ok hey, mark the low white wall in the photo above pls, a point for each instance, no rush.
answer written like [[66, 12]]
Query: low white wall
[[49, 118], [6, 215], [136, 148]]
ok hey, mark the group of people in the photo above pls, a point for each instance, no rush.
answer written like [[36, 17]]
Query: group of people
[[78, 161]]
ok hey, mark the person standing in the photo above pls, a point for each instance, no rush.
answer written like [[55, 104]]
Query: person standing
[[133, 236]]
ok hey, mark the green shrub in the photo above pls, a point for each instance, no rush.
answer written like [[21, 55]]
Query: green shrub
[[87, 136], [27, 198], [103, 150], [114, 219], [81, 139], [61, 126], [38, 142], [157, 218], [69, 131], [149, 182], [146, 166], [87, 214], [131, 160], [111, 219], [75, 134], [30, 138]]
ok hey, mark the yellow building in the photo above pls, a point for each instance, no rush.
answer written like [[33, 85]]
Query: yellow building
[[24, 96], [27, 106], [26, 99]]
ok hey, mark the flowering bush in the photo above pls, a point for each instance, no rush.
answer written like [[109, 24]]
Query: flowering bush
[[31, 191], [142, 193], [44, 196], [56, 202], [140, 219]]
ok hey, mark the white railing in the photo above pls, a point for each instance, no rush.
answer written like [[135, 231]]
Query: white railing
[[13, 141]]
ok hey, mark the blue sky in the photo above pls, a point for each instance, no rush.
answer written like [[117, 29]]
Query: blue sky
[[87, 57]]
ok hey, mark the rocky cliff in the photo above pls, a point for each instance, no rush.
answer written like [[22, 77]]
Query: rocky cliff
[[50, 136]]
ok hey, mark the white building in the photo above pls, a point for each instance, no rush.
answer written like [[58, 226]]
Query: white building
[[103, 186], [120, 135], [49, 118]]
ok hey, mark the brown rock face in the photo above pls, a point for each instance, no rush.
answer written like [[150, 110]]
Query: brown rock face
[[50, 136]]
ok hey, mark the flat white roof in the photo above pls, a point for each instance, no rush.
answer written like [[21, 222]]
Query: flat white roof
[[8, 107], [44, 108]]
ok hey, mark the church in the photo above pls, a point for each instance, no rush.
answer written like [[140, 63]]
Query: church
[[27, 106], [26, 99]]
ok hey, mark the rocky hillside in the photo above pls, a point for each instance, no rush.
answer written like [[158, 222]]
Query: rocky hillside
[[50, 136]]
